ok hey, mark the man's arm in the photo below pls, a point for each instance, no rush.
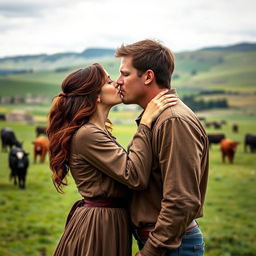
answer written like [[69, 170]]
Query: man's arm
[[180, 150]]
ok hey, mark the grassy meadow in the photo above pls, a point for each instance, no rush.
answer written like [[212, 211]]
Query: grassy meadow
[[32, 220]]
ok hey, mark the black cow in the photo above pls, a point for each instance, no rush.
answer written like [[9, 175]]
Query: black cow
[[18, 163], [235, 128], [40, 130], [216, 125], [250, 140], [9, 139], [2, 117], [215, 138]]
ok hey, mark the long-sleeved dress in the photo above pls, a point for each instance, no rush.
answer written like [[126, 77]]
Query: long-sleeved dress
[[101, 168]]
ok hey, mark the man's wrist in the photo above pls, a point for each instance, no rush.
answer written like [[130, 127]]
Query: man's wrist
[[150, 250]]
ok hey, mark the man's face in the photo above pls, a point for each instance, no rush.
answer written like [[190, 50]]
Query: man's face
[[132, 88]]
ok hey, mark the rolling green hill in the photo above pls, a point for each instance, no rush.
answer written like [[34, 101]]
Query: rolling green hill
[[45, 83], [53, 61], [229, 69]]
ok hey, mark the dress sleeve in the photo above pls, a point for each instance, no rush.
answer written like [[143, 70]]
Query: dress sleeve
[[102, 151], [180, 151]]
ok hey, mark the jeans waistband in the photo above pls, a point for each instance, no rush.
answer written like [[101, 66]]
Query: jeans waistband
[[143, 233]]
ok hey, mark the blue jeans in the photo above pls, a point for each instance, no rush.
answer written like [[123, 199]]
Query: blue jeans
[[192, 244]]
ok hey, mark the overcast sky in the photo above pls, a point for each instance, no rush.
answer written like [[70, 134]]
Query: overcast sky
[[54, 26]]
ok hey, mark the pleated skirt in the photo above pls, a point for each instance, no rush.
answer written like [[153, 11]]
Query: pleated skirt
[[96, 232]]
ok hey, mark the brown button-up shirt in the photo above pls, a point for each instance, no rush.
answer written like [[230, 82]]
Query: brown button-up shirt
[[176, 191]]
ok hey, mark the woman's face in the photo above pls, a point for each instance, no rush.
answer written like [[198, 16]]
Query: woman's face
[[109, 94]]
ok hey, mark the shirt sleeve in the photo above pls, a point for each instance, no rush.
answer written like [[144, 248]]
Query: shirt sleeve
[[102, 151], [180, 149]]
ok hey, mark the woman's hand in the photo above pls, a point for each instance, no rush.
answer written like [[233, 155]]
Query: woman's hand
[[156, 106]]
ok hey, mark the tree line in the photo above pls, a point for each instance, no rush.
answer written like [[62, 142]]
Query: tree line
[[200, 104]]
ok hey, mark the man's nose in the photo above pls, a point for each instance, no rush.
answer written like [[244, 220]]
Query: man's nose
[[119, 81]]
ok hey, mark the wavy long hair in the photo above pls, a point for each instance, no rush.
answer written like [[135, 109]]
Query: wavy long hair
[[71, 110]]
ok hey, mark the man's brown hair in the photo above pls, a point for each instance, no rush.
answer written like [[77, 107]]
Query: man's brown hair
[[150, 54]]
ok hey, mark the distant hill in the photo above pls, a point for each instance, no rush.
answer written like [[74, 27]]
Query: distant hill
[[230, 69], [242, 47], [97, 52], [204, 57], [53, 61]]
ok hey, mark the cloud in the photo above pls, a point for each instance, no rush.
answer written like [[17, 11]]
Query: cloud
[[34, 26], [24, 8]]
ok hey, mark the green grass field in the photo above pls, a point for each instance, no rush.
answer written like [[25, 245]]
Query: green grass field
[[32, 220]]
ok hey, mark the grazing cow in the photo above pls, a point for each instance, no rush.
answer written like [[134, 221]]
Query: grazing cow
[[40, 130], [215, 138], [18, 163], [228, 149], [202, 118], [9, 139], [41, 147], [216, 125], [250, 140], [208, 124], [235, 128], [2, 117], [223, 122]]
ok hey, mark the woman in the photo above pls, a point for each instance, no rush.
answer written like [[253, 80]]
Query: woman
[[102, 169]]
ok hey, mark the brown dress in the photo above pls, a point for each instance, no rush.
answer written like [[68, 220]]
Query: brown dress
[[102, 168]]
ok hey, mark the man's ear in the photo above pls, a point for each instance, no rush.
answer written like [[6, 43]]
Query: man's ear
[[149, 76]]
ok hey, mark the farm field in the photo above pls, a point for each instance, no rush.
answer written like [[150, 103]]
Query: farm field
[[32, 220]]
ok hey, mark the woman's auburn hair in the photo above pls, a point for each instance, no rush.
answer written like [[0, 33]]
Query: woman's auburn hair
[[70, 111]]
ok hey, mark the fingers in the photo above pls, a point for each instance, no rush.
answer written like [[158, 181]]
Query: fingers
[[166, 99], [168, 102], [169, 99], [166, 105]]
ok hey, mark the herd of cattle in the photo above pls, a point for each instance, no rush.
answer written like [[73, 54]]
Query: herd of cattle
[[227, 146], [18, 157], [19, 161]]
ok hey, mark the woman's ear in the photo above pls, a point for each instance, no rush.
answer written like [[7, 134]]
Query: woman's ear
[[98, 99], [149, 76]]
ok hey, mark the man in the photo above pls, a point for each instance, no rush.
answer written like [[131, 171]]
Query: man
[[164, 214]]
